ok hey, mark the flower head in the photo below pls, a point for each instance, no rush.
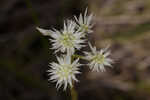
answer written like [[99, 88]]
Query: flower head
[[68, 39], [63, 72], [84, 22], [98, 59]]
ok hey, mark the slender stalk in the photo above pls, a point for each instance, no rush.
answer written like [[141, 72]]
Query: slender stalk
[[74, 95], [78, 56], [33, 13]]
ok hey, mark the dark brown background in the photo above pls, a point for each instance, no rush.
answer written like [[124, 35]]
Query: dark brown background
[[25, 54]]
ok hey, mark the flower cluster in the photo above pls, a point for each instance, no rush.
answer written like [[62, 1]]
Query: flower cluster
[[71, 38]]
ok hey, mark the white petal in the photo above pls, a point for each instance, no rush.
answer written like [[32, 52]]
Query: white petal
[[44, 32]]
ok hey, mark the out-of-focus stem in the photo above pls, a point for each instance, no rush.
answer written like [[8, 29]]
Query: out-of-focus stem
[[33, 13]]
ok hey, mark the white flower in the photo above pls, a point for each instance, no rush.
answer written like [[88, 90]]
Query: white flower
[[68, 39], [84, 22], [63, 72], [98, 59]]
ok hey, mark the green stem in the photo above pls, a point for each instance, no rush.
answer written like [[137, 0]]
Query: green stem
[[33, 13], [74, 95], [78, 56]]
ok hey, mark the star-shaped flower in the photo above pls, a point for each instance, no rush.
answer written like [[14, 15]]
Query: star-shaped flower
[[84, 22], [64, 72], [66, 40], [98, 59]]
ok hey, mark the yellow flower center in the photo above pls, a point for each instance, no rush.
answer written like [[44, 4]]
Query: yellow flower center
[[67, 40], [99, 58], [84, 28], [65, 71]]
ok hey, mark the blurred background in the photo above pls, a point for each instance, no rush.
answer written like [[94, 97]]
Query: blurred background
[[25, 53]]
